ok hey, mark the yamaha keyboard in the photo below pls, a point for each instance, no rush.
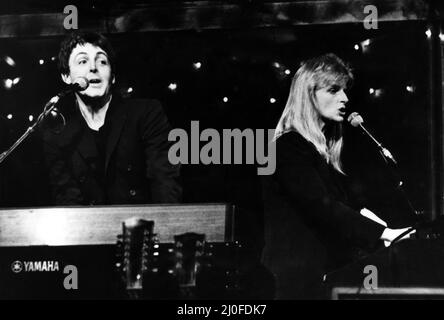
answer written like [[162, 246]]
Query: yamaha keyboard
[[99, 225], [40, 248]]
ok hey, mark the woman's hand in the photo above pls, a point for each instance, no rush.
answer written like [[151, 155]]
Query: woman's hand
[[391, 234]]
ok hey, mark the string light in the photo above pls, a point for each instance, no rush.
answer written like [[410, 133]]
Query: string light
[[356, 47], [31, 117], [276, 65], [441, 36], [8, 83], [272, 100], [410, 88], [129, 90], [428, 33], [41, 61], [376, 92], [16, 80], [9, 116], [172, 86], [287, 71], [225, 99], [197, 65], [10, 61]]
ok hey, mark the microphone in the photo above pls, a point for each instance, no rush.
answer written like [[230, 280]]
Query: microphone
[[356, 120], [79, 84]]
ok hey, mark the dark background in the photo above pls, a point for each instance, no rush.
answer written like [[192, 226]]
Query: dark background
[[240, 63]]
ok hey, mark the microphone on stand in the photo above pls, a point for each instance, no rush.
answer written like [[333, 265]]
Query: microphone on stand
[[79, 84], [356, 121]]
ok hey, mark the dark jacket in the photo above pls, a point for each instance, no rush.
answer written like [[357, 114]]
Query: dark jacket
[[135, 165], [309, 227]]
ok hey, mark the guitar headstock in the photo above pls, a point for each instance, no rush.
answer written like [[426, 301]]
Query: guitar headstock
[[137, 252], [189, 258]]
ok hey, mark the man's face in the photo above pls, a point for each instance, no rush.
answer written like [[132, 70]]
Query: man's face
[[92, 63]]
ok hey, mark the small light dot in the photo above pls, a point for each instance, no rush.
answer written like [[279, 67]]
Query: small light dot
[[16, 80], [225, 99], [172, 86], [276, 65], [138, 277], [130, 90], [272, 100], [10, 61], [197, 65], [31, 117], [441, 36], [287, 71], [356, 47], [41, 61], [53, 58], [8, 83], [371, 90], [9, 116], [410, 88], [428, 33]]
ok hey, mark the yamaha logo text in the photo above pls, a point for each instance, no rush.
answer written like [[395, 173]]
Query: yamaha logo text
[[35, 266]]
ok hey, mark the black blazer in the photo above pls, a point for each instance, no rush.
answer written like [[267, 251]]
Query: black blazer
[[136, 163], [310, 228]]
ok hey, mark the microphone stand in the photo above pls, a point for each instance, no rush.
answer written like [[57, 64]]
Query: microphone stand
[[386, 154], [49, 106], [393, 165]]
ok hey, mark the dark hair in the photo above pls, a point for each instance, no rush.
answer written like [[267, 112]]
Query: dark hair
[[75, 38]]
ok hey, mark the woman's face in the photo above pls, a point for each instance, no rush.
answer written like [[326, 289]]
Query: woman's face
[[331, 102]]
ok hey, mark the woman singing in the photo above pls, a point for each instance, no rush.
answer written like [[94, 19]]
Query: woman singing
[[310, 226]]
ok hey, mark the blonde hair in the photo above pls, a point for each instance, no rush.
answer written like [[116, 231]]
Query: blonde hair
[[300, 113]]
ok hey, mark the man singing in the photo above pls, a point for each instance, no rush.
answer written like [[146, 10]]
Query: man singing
[[112, 150]]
